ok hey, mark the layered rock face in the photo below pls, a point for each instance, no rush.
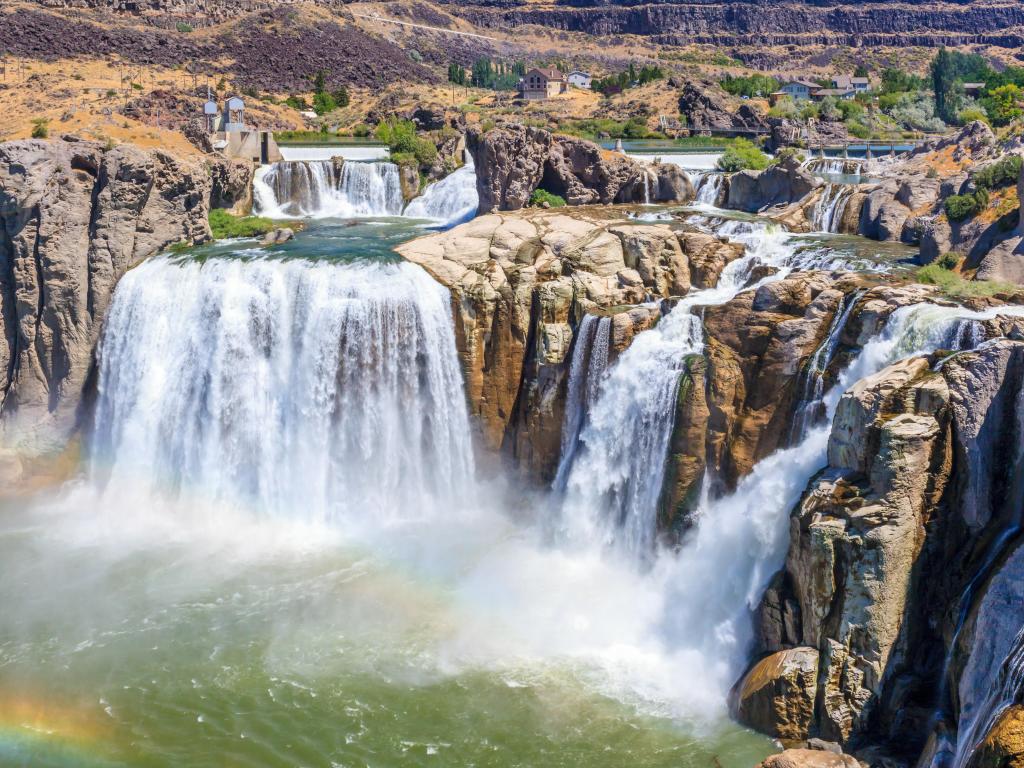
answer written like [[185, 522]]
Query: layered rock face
[[703, 106], [745, 22], [73, 218], [521, 284], [923, 475], [514, 160]]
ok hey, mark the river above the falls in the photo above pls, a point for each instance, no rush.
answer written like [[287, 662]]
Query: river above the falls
[[205, 593]]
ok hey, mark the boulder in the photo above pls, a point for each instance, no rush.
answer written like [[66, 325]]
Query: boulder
[[278, 236], [231, 186], [1003, 745], [809, 758], [782, 184], [514, 160], [777, 694], [73, 218]]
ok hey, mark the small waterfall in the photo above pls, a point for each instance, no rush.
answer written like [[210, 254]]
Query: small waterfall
[[828, 211], [709, 188], [289, 387], [586, 371], [811, 384], [316, 189], [613, 479], [450, 201], [834, 166]]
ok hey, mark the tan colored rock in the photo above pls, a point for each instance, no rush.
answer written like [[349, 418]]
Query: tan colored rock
[[1003, 746], [777, 694], [707, 256], [809, 758]]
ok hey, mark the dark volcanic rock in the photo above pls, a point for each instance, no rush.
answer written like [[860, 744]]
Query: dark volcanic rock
[[781, 184]]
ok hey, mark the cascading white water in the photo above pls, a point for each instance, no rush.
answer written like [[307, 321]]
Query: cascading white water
[[296, 388], [586, 371], [316, 189], [450, 201], [709, 187], [835, 166], [718, 577], [613, 479], [811, 383], [828, 211]]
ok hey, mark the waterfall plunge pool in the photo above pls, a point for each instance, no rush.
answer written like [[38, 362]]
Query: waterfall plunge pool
[[231, 614]]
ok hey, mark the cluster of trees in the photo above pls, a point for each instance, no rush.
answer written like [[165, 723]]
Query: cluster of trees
[[406, 147], [754, 85], [627, 79], [1003, 173], [324, 99], [487, 73], [1002, 99]]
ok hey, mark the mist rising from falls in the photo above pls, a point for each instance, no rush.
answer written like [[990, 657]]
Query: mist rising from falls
[[294, 388], [318, 189]]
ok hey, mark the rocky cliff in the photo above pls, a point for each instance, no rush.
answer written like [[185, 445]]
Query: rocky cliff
[[514, 160], [888, 549], [74, 216], [748, 22]]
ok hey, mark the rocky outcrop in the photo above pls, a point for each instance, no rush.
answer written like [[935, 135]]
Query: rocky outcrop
[[787, 132], [231, 186], [73, 218], [777, 695], [809, 758], [888, 536], [782, 184], [514, 160], [521, 284], [705, 107]]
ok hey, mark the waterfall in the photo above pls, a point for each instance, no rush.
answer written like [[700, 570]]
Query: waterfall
[[718, 577], [614, 477], [290, 387], [828, 211], [316, 189], [709, 187], [450, 201], [811, 384], [586, 370], [835, 166]]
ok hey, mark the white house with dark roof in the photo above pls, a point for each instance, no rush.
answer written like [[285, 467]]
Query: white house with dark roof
[[798, 89], [579, 79], [847, 83]]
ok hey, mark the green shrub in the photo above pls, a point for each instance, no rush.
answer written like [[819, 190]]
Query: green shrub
[[40, 128], [224, 225], [741, 156], [297, 102], [952, 284], [184, 28], [960, 207], [401, 138], [541, 196], [949, 260], [1002, 173], [970, 114], [786, 153], [931, 173], [361, 131]]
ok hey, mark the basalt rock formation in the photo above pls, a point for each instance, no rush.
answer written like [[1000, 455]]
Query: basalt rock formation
[[705, 108], [514, 160], [782, 184], [889, 540], [521, 284], [74, 217]]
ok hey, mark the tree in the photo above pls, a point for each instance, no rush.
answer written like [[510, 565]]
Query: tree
[[341, 96], [1003, 104], [860, 71], [943, 84]]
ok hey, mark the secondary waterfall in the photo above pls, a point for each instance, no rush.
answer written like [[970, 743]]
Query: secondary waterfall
[[828, 211], [613, 479], [811, 384], [450, 201], [295, 388], [316, 188], [709, 188], [835, 166], [718, 577], [586, 371]]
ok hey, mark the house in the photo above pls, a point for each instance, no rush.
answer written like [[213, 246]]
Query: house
[[974, 90], [579, 79], [856, 84], [836, 93], [542, 83], [799, 89]]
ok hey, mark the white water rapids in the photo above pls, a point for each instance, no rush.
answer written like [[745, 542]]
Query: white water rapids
[[316, 189]]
